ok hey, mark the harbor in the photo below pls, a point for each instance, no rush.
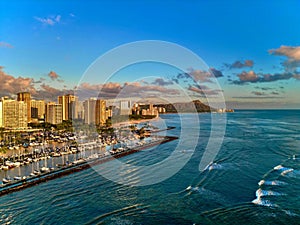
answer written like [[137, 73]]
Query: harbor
[[47, 163]]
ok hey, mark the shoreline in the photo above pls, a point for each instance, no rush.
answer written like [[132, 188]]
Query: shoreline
[[29, 182], [133, 122], [30, 149]]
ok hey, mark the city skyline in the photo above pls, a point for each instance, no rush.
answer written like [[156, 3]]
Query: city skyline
[[46, 47], [24, 112]]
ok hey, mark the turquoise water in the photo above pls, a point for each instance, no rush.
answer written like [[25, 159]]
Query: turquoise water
[[255, 179]]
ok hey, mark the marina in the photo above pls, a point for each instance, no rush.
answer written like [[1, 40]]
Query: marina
[[47, 167]]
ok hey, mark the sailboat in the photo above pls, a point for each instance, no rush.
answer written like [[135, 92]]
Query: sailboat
[[6, 179], [32, 174], [45, 169]]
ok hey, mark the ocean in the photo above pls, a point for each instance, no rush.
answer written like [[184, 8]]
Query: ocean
[[254, 179]]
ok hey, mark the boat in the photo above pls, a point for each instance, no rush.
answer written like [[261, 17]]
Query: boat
[[9, 164], [44, 169], [79, 161], [17, 164], [36, 172], [17, 178], [32, 174], [6, 180], [56, 154]]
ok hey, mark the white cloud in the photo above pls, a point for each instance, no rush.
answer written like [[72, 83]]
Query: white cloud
[[51, 20]]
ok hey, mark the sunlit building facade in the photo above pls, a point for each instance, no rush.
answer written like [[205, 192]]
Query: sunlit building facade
[[54, 113], [26, 97], [69, 106], [14, 114], [100, 112]]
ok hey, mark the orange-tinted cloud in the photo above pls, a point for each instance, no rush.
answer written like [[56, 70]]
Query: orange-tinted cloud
[[240, 64], [53, 75], [11, 85], [118, 90]]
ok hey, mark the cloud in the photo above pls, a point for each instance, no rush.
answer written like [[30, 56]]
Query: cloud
[[216, 73], [264, 88], [200, 75], [288, 51], [204, 90], [291, 53], [252, 77], [51, 20], [118, 90], [275, 93], [53, 75], [11, 85], [196, 76], [162, 82], [5, 45], [258, 93], [240, 64], [50, 93]]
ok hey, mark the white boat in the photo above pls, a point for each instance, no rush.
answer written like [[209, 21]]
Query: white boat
[[17, 164], [45, 169], [9, 164], [17, 178], [36, 172], [56, 154], [6, 180], [29, 160], [79, 161]]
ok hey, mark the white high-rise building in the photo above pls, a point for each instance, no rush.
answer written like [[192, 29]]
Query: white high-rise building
[[90, 111], [125, 107]]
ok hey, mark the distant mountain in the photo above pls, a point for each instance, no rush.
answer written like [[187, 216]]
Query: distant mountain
[[193, 106]]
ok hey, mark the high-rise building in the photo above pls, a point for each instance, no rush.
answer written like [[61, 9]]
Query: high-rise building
[[39, 106], [125, 107], [100, 111], [1, 114], [14, 114], [54, 113], [26, 97], [90, 111], [80, 110], [69, 106]]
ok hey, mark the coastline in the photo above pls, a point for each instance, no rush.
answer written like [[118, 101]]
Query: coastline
[[22, 150], [133, 122]]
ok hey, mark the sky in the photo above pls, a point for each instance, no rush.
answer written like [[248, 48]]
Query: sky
[[250, 49]]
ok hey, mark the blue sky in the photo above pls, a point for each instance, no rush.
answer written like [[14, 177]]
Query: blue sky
[[234, 37]]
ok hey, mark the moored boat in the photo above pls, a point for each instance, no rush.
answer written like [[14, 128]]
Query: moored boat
[[44, 169], [6, 180]]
